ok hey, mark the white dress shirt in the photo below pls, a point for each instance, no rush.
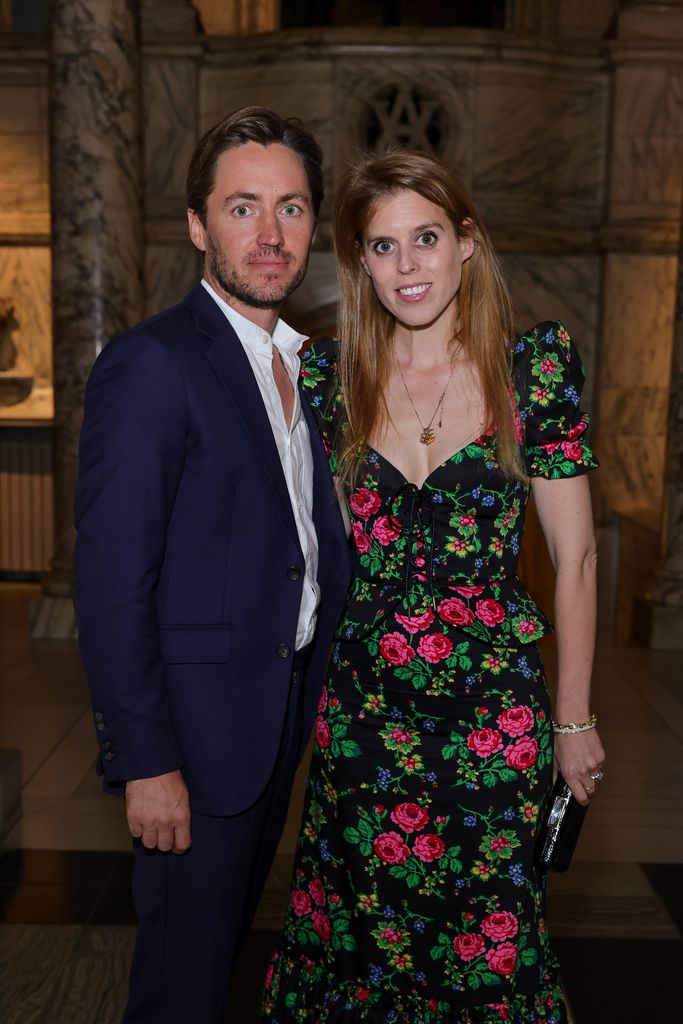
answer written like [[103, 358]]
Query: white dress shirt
[[293, 442]]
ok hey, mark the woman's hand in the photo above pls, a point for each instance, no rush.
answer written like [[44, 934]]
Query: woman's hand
[[580, 757]]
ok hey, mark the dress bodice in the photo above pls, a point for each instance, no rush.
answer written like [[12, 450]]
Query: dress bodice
[[449, 550]]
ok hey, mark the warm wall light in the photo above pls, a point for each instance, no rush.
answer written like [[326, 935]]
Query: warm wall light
[[238, 17]]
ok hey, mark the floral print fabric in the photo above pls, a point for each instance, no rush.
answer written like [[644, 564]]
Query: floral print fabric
[[414, 898]]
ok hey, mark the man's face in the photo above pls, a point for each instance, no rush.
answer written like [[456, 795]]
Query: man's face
[[259, 228]]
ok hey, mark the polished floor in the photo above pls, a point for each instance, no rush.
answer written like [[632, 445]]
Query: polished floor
[[66, 923]]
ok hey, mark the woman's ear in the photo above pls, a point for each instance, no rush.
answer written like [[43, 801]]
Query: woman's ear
[[361, 257], [467, 241]]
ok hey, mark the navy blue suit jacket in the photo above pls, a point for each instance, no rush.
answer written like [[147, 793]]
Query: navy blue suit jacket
[[189, 571]]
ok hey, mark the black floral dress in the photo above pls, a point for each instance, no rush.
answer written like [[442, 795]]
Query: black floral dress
[[414, 897]]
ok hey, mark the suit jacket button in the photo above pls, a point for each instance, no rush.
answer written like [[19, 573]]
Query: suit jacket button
[[100, 727], [99, 717], [294, 573], [283, 651], [108, 756], [106, 745]]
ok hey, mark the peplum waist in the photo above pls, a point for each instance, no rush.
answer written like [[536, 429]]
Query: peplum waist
[[499, 613]]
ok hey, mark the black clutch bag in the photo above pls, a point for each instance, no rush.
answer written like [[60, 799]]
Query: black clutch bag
[[559, 828]]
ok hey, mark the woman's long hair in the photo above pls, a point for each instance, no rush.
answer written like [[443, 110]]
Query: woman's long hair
[[484, 326]]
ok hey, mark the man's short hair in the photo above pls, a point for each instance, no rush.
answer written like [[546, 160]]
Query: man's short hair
[[251, 124]]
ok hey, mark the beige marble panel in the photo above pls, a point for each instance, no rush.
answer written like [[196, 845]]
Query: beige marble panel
[[25, 282], [646, 177], [634, 412], [540, 142], [170, 272], [562, 288], [648, 101], [638, 322], [293, 88], [170, 102], [631, 472]]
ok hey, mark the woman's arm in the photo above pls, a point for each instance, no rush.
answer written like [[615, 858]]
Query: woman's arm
[[564, 511]]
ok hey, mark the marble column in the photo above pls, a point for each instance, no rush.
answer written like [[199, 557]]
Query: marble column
[[665, 600], [640, 239], [97, 232]]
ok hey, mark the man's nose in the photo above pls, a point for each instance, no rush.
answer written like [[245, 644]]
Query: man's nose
[[270, 229]]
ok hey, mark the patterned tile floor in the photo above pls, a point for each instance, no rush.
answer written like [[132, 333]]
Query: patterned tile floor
[[66, 923]]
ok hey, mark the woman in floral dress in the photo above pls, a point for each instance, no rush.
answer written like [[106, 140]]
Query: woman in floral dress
[[414, 897]]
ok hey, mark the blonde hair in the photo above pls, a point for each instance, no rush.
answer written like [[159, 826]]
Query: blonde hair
[[484, 329]]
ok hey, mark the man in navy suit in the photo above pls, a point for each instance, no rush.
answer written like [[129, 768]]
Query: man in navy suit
[[211, 566]]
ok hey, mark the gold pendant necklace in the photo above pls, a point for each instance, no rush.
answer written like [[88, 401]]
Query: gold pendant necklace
[[427, 435]]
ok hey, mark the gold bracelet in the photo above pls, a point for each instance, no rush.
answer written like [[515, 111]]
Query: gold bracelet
[[573, 727]]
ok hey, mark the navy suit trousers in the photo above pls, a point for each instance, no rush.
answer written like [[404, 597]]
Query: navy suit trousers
[[195, 910]]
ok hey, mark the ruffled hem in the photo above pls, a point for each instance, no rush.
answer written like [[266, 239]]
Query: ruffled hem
[[299, 992]]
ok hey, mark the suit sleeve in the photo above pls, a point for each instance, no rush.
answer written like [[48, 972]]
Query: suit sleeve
[[132, 452]]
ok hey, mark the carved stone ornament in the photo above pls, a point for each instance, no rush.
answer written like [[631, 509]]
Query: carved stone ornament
[[404, 115]]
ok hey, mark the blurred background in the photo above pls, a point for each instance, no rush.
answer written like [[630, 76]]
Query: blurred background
[[565, 120]]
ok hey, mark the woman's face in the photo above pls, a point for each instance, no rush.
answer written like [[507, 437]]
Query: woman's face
[[411, 252]]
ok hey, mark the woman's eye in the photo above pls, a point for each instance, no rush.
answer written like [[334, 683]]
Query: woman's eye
[[427, 238], [382, 247]]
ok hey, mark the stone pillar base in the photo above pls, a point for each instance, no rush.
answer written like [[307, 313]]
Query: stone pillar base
[[53, 618], [10, 789], [658, 626]]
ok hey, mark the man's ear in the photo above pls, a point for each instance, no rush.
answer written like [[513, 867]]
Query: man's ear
[[197, 230]]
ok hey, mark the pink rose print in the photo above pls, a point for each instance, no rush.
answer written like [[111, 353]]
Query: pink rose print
[[301, 902], [434, 647], [315, 887], [322, 703], [409, 817], [485, 742], [500, 925], [550, 446], [269, 975], [321, 924], [577, 430], [516, 721], [395, 649], [502, 959], [468, 947], [469, 589], [455, 611], [363, 542], [429, 847], [386, 530], [522, 753], [490, 612], [503, 1010], [364, 503], [572, 449], [390, 848], [414, 623], [322, 733]]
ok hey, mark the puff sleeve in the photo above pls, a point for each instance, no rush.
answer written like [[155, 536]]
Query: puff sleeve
[[548, 377], [320, 388]]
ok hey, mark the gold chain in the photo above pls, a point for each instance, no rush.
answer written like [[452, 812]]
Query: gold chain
[[427, 435]]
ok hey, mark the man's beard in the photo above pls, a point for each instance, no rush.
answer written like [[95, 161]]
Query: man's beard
[[267, 295]]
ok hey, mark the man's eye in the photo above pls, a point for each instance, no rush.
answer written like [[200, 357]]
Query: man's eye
[[241, 211], [291, 210]]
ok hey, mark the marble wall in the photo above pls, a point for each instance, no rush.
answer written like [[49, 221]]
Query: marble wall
[[571, 145]]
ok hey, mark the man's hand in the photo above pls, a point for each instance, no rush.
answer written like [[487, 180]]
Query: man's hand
[[158, 812]]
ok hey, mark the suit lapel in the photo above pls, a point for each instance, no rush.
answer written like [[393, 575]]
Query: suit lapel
[[231, 364]]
